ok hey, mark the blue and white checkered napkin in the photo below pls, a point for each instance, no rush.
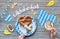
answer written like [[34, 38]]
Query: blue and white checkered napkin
[[8, 18], [18, 28], [43, 16]]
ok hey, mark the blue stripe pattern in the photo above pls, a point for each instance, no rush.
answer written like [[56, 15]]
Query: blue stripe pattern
[[43, 16], [8, 18], [30, 33]]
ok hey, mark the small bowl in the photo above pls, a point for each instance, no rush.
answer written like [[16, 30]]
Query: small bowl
[[10, 28]]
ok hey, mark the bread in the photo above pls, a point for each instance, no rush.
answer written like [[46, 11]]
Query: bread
[[27, 20]]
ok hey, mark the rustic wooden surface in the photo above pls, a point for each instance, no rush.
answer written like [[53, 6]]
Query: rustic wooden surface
[[40, 34]]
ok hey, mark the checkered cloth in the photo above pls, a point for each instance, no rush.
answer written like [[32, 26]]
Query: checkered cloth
[[30, 33], [43, 16]]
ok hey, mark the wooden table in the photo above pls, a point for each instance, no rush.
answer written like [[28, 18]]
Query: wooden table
[[40, 34]]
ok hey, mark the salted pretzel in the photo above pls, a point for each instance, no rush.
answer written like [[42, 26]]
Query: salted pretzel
[[25, 20]]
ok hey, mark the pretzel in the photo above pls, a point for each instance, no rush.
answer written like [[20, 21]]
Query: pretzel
[[25, 20]]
